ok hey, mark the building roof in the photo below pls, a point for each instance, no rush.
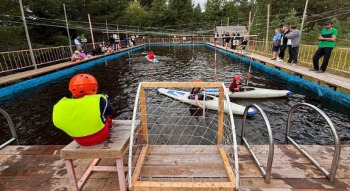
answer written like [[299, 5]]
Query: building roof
[[232, 30]]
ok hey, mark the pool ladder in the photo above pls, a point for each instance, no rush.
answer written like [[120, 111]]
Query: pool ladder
[[267, 173], [12, 129]]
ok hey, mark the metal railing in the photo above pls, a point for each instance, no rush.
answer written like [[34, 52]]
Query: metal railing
[[19, 60], [339, 61], [330, 175], [266, 174], [12, 129]]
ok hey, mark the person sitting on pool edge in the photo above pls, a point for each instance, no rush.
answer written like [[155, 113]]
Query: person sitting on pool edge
[[196, 94], [76, 56], [87, 116], [235, 85]]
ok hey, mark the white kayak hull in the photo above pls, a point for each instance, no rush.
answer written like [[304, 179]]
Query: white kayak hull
[[253, 92], [212, 104], [152, 60]]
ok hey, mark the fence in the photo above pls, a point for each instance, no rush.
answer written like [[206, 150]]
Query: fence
[[17, 61], [339, 61]]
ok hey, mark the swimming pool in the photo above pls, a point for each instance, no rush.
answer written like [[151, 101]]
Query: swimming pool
[[31, 110]]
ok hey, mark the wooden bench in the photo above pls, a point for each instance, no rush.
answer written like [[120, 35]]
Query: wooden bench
[[114, 147]]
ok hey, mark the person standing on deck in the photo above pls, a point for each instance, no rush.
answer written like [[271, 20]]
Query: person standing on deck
[[126, 39], [87, 116], [294, 36], [77, 43], [276, 41], [117, 42], [111, 42], [83, 41], [284, 41], [325, 46]]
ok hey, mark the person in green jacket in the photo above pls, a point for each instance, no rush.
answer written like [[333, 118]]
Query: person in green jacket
[[325, 47], [87, 116]]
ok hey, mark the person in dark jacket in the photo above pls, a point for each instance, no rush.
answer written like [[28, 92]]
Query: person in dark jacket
[[284, 41]]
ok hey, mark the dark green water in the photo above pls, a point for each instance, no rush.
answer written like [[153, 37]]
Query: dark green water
[[31, 111]]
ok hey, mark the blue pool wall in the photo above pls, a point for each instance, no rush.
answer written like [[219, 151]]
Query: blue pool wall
[[317, 90]]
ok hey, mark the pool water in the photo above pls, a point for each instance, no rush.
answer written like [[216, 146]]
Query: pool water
[[31, 111]]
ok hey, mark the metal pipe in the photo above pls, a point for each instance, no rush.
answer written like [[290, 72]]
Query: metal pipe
[[336, 155], [27, 35], [266, 173], [69, 40]]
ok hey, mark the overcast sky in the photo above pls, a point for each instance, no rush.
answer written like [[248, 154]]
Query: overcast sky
[[201, 2]]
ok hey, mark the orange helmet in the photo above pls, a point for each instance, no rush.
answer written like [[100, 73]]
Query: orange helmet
[[236, 78], [83, 84], [197, 80]]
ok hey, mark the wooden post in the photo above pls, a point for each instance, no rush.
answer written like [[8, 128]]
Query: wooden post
[[143, 114], [221, 115], [107, 30], [92, 34], [249, 22], [304, 15], [228, 21], [267, 29], [69, 40], [27, 35]]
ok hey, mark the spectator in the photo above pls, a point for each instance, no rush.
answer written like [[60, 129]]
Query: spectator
[[83, 41], [133, 40], [117, 42], [97, 50], [76, 57], [325, 46], [294, 36], [77, 43], [83, 55], [227, 39], [284, 41], [276, 41], [111, 42], [126, 39], [244, 43]]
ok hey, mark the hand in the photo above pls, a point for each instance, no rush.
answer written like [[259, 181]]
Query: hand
[[320, 37]]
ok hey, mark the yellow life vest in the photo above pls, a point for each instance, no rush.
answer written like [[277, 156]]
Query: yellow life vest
[[79, 117]]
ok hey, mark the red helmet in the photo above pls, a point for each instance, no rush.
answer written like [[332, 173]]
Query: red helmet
[[236, 78], [83, 84], [197, 80]]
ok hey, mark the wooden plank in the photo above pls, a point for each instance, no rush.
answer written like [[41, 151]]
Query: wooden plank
[[143, 110], [227, 165], [307, 184], [139, 164], [181, 84], [186, 179], [142, 185], [113, 147], [184, 149], [176, 171], [178, 159], [221, 115]]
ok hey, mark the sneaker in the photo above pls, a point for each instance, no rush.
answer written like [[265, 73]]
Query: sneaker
[[294, 64], [319, 71], [279, 60], [313, 69]]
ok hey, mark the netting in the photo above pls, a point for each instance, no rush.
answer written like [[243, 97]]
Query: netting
[[176, 145]]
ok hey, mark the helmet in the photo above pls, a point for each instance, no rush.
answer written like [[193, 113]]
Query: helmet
[[236, 78], [83, 84], [197, 80]]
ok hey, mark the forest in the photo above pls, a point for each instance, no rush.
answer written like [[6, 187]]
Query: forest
[[162, 18]]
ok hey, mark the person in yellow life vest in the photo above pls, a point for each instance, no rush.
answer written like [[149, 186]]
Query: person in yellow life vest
[[87, 116]]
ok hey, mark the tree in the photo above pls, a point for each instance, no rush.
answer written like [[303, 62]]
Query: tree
[[158, 13], [135, 15], [181, 13]]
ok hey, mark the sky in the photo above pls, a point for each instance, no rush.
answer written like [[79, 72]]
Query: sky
[[201, 2]]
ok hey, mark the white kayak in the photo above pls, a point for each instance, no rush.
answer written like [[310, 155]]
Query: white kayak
[[252, 92], [212, 104], [152, 60]]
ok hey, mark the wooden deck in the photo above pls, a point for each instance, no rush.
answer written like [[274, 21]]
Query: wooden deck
[[326, 79], [13, 78], [40, 167]]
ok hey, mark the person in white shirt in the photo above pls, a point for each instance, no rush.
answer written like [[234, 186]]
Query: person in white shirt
[[77, 43]]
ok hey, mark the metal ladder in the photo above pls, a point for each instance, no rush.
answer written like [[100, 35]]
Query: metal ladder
[[267, 173], [330, 175], [12, 129]]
